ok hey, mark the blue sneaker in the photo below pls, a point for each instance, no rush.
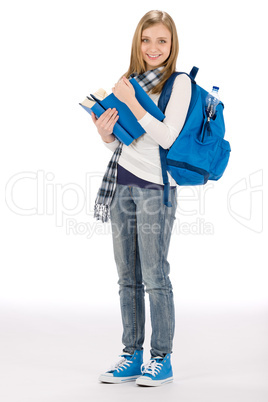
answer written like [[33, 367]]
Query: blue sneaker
[[156, 372], [128, 368]]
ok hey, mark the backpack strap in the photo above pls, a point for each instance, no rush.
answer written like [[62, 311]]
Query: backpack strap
[[193, 73], [162, 104]]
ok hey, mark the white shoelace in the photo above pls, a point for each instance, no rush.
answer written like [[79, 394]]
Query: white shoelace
[[121, 365], [152, 367]]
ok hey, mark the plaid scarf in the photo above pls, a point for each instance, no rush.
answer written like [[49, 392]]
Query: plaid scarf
[[106, 191]]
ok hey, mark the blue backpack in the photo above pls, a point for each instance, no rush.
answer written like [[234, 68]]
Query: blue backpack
[[199, 153]]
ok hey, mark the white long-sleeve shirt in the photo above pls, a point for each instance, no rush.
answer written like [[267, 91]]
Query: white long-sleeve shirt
[[142, 157]]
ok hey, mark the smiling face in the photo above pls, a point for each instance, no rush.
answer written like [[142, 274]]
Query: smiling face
[[155, 45]]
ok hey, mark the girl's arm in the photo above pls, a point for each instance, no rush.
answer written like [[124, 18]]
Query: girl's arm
[[164, 133]]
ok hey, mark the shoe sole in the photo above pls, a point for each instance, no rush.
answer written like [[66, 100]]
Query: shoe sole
[[116, 380], [153, 383]]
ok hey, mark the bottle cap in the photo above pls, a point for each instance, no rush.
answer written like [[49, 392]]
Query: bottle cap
[[215, 88]]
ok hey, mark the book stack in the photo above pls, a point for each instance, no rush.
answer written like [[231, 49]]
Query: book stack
[[127, 127]]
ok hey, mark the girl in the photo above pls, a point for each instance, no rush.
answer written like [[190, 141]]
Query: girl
[[132, 193]]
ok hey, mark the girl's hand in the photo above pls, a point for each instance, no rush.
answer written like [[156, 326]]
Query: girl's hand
[[105, 124], [124, 91]]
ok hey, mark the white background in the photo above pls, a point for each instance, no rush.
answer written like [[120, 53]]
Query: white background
[[54, 54], [59, 308]]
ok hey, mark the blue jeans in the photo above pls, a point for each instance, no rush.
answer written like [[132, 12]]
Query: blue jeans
[[141, 229]]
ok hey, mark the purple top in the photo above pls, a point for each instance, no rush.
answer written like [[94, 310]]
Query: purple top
[[128, 179]]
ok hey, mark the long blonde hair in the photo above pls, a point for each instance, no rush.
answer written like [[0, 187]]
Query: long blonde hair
[[137, 64]]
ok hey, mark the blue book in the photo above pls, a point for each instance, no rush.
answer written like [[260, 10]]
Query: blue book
[[127, 127]]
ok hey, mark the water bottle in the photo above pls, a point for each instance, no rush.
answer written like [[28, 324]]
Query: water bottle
[[212, 100]]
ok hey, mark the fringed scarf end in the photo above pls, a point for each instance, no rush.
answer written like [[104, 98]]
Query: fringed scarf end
[[102, 212]]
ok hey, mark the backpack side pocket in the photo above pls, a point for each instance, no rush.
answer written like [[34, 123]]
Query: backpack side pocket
[[220, 161]]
